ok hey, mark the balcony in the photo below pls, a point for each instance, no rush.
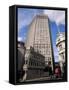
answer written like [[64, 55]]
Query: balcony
[[59, 39]]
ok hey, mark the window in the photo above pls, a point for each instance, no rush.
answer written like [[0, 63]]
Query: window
[[26, 61], [62, 55], [58, 39], [60, 47], [31, 63], [37, 64]]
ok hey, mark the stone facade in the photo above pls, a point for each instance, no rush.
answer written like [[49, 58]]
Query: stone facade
[[34, 65], [21, 59], [60, 43]]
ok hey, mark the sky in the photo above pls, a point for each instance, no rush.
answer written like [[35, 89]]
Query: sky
[[56, 17]]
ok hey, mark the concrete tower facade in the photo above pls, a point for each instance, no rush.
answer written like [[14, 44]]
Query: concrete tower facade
[[39, 37]]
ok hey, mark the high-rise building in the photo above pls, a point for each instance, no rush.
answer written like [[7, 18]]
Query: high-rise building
[[39, 37]]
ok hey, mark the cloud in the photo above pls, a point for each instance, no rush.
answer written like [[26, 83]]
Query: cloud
[[55, 15], [25, 16], [22, 38], [23, 20], [19, 38]]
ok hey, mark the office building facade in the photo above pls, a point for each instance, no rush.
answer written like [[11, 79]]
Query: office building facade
[[39, 37]]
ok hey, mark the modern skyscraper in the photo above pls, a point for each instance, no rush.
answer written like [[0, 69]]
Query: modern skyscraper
[[39, 37]]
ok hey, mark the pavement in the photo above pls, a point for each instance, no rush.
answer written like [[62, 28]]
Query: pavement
[[44, 79]]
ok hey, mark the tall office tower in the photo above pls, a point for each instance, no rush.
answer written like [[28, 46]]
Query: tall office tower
[[39, 37]]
